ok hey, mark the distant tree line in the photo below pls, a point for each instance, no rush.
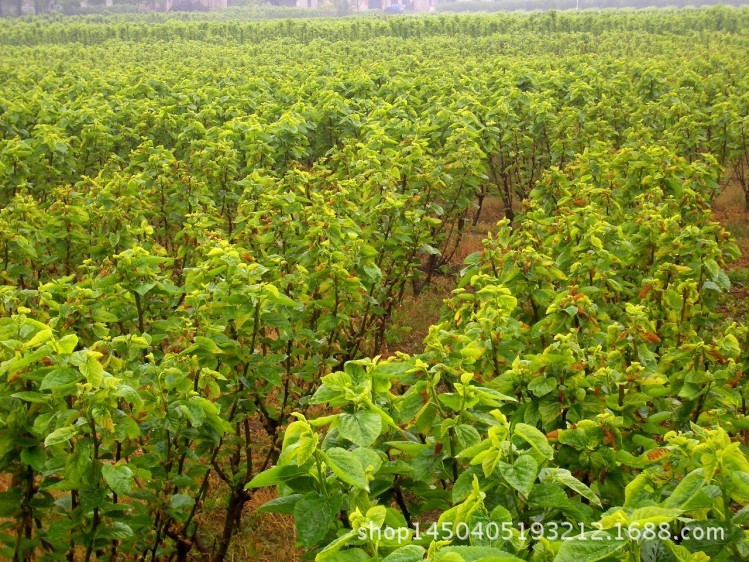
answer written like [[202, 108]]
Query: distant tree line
[[514, 5], [15, 8], [277, 8]]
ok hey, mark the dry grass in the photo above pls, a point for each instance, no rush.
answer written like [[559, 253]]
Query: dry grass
[[729, 209], [473, 237], [413, 317], [5, 482], [263, 537], [415, 314]]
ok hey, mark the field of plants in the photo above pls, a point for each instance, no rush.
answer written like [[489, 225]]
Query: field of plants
[[207, 228]]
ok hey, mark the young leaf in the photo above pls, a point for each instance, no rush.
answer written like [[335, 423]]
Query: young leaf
[[362, 428], [60, 435], [521, 474], [346, 466], [534, 438], [118, 477], [591, 547], [313, 516]]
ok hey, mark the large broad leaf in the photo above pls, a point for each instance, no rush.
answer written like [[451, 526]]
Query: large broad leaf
[[639, 490], [348, 555], [521, 474], [10, 502], [208, 345], [346, 466], [653, 515], [368, 458], [60, 435], [333, 553], [66, 344], [687, 489], [467, 435], [565, 477], [117, 530], [119, 478], [276, 475], [92, 369], [20, 362], [33, 397], [34, 457], [179, 502], [534, 438], [589, 548], [740, 481], [59, 378], [476, 553], [313, 516], [548, 495], [284, 504], [410, 553], [362, 428]]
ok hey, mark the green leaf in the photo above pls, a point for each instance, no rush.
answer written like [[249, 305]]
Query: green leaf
[[347, 555], [39, 338], [179, 502], [33, 397], [521, 474], [313, 516], [117, 530], [653, 515], [549, 496], [66, 344], [207, 345], [541, 386], [534, 438], [300, 450], [92, 369], [362, 428], [143, 288], [467, 435], [284, 504], [687, 489], [34, 457], [477, 553], [740, 481], [571, 310], [273, 295], [463, 486], [367, 458], [346, 466], [588, 548], [472, 352], [410, 553], [101, 315], [565, 477], [10, 502], [59, 378], [17, 363], [729, 346], [60, 435], [275, 475], [118, 477], [638, 490]]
